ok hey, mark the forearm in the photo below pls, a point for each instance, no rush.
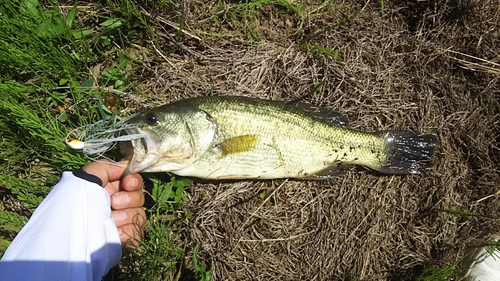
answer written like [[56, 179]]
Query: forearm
[[71, 236]]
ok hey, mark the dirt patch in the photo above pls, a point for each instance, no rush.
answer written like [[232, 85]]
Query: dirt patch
[[428, 66]]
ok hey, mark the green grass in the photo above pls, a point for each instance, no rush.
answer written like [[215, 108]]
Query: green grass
[[28, 31], [158, 257], [462, 214], [35, 54], [47, 90], [243, 15], [201, 273], [41, 60], [434, 273], [320, 50]]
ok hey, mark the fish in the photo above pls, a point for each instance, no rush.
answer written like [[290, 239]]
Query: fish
[[236, 137]]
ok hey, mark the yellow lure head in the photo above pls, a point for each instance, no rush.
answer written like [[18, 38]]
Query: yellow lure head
[[75, 144]]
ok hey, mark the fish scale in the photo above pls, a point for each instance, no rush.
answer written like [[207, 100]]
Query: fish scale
[[301, 138]]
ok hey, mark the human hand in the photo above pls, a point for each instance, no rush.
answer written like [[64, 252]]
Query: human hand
[[126, 196]]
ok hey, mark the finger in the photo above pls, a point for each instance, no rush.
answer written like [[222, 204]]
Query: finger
[[132, 182], [132, 215], [130, 235], [106, 170], [127, 199], [112, 187], [128, 183]]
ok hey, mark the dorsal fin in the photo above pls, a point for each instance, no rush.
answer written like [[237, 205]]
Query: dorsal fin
[[322, 113]]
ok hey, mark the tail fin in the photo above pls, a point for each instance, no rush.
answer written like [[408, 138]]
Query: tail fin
[[408, 152]]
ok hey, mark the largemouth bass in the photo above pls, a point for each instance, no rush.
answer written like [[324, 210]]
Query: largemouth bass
[[246, 138]]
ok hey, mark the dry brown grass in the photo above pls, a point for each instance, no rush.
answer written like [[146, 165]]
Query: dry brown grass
[[429, 66]]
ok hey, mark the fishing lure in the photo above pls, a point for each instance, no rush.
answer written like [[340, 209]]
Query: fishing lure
[[94, 140]]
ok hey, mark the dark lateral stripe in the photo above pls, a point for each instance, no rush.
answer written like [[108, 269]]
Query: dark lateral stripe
[[80, 173]]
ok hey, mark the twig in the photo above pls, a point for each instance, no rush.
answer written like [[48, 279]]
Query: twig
[[162, 55], [473, 57], [489, 196], [494, 69], [171, 24]]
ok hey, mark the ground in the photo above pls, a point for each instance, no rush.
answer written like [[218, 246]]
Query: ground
[[426, 66]]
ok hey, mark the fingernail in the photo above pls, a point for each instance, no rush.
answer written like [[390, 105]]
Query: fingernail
[[120, 231], [134, 181], [119, 216], [120, 199]]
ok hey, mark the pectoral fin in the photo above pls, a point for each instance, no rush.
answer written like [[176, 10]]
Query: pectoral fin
[[238, 144]]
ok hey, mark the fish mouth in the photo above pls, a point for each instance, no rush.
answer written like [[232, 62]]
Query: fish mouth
[[141, 152]]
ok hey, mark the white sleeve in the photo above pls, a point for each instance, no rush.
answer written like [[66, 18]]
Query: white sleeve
[[487, 267], [71, 236]]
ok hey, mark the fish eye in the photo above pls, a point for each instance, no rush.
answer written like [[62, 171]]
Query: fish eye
[[151, 119]]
